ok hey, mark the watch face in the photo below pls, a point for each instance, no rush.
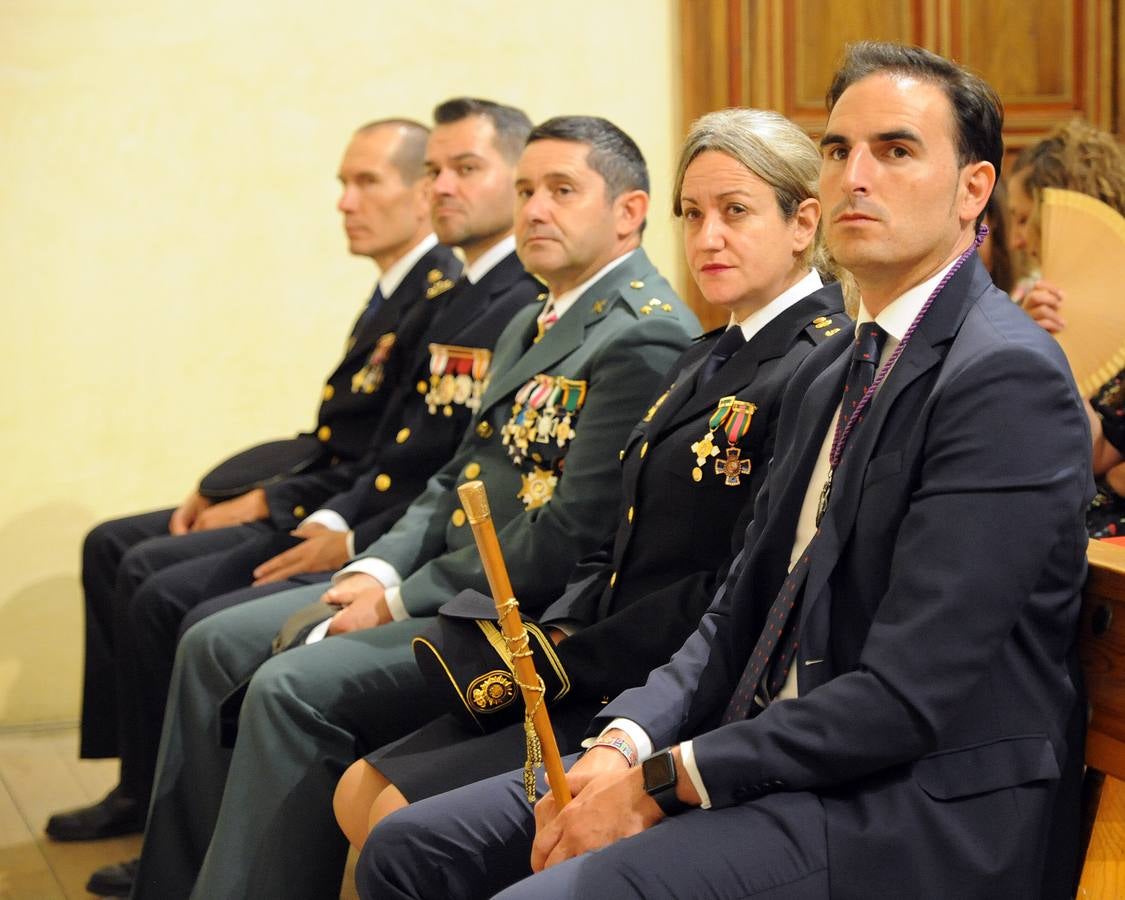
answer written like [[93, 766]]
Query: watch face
[[659, 772]]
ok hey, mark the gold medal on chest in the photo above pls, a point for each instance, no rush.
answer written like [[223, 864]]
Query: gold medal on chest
[[731, 419]]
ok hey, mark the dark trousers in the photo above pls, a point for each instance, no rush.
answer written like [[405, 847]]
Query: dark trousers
[[120, 558], [161, 583], [102, 552], [476, 842]]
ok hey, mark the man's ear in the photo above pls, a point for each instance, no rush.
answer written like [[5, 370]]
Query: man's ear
[[977, 181], [630, 209]]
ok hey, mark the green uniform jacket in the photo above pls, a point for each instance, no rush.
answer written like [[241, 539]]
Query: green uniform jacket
[[616, 342]]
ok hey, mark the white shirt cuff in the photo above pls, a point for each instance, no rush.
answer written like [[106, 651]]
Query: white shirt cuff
[[397, 608], [642, 743], [379, 569], [386, 574], [687, 757], [329, 518]]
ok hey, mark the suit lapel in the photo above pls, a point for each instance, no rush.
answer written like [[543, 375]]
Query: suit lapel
[[455, 317], [681, 394], [566, 335], [560, 341], [921, 355]]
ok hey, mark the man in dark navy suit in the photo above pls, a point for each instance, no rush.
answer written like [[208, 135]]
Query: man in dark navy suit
[[877, 702]]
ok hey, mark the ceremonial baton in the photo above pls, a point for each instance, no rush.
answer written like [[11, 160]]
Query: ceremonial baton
[[474, 499]]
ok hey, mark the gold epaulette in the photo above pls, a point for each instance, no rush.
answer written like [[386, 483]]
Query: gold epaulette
[[823, 327]]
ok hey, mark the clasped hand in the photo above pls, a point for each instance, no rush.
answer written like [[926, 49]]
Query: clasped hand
[[197, 513], [321, 550], [362, 600], [609, 803]]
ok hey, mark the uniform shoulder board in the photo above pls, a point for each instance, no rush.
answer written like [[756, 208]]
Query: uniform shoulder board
[[439, 284], [823, 327], [654, 306], [640, 299]]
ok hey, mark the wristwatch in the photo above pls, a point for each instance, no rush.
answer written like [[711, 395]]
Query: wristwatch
[[659, 772]]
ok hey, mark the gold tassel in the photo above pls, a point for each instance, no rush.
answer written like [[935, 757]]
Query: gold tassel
[[521, 646]]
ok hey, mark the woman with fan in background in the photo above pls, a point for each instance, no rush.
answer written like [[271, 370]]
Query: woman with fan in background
[[1076, 157]]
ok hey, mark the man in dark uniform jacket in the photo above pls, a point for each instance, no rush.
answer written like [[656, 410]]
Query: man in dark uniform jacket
[[684, 511], [443, 366], [385, 219], [877, 702], [584, 362]]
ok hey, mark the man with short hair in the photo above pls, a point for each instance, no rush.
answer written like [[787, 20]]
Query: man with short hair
[[455, 322], [384, 208], [585, 361], [877, 702], [410, 441]]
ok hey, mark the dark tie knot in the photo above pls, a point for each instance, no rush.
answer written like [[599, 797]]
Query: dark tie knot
[[724, 348], [729, 344], [869, 340]]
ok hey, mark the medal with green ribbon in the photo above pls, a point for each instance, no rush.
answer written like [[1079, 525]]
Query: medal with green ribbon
[[733, 417], [573, 395]]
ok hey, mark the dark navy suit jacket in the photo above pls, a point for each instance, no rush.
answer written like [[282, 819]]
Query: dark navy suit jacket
[[938, 618]]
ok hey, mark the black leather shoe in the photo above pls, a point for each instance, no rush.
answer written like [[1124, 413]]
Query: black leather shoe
[[114, 881], [116, 814]]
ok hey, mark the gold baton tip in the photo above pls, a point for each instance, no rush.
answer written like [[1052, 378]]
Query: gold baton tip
[[474, 499]]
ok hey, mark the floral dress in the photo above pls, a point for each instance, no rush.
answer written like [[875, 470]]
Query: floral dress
[[1105, 516]]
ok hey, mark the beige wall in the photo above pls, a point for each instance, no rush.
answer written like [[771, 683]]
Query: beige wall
[[175, 280]]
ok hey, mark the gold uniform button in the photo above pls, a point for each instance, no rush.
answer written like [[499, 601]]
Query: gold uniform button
[[472, 470], [383, 482], [620, 454], [644, 449], [423, 387], [458, 518], [299, 512], [613, 579], [401, 437], [636, 285], [484, 430], [630, 514], [329, 392], [324, 432]]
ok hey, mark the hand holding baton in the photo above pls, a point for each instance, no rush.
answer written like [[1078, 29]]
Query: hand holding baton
[[541, 742]]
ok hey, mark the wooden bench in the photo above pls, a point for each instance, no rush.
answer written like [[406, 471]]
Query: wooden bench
[[1101, 645]]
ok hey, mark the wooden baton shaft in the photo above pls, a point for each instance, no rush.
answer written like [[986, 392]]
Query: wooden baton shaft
[[474, 499]]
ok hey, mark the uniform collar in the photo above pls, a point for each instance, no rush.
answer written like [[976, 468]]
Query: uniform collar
[[396, 271], [560, 304], [488, 260], [760, 318]]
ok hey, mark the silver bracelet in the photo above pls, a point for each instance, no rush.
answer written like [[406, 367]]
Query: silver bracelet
[[622, 746]]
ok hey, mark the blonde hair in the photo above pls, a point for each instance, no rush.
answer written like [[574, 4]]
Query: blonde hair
[[1075, 157], [772, 148]]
